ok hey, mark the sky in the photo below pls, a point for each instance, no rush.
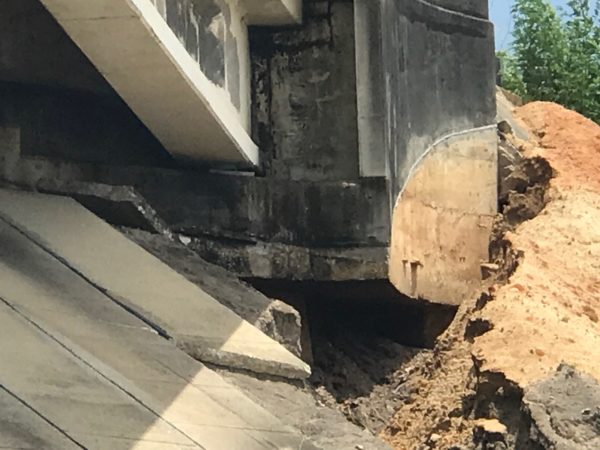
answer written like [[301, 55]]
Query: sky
[[500, 15]]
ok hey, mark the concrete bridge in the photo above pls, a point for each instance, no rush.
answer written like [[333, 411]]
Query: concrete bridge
[[366, 126], [182, 67], [293, 143]]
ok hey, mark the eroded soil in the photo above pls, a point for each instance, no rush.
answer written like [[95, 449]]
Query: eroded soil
[[543, 312]]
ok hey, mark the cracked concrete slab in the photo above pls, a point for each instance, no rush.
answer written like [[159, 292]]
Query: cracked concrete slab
[[141, 283], [120, 353], [275, 318]]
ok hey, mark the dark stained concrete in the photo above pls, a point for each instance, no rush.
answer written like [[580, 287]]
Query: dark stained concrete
[[213, 33], [328, 230], [78, 126], [304, 95], [438, 68], [34, 49]]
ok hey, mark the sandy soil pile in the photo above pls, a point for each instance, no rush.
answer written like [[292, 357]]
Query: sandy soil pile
[[547, 312]]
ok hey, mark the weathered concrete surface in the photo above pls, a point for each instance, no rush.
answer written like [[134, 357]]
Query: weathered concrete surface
[[117, 205], [254, 209], [364, 88], [312, 216], [325, 427], [324, 203], [304, 95], [214, 34], [289, 262], [276, 319], [141, 57], [443, 219], [255, 227], [174, 306], [235, 207], [68, 394], [117, 382], [445, 175], [438, 69]]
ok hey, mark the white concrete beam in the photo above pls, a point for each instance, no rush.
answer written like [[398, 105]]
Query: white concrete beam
[[135, 50], [273, 12]]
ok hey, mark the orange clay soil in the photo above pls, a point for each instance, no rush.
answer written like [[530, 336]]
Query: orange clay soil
[[549, 310]]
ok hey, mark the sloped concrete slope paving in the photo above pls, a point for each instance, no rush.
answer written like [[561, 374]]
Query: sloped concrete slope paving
[[78, 402], [103, 376], [21, 427], [198, 323]]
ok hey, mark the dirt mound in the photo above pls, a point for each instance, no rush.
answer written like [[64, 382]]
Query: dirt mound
[[569, 141], [549, 312], [506, 344]]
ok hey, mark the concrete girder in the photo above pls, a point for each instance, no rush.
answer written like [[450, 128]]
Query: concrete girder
[[134, 48]]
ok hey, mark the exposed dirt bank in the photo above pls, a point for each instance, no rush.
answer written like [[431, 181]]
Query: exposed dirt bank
[[492, 380], [549, 312]]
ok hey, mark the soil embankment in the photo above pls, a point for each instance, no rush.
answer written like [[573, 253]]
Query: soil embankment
[[487, 381]]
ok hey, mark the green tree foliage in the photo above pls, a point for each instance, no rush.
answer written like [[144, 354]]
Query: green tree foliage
[[556, 58], [511, 75], [582, 79]]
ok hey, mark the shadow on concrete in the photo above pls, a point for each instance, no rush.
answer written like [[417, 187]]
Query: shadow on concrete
[[92, 373]]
